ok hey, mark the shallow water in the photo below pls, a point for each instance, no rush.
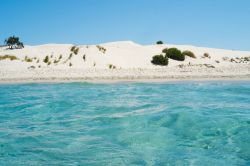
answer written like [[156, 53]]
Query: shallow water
[[189, 123]]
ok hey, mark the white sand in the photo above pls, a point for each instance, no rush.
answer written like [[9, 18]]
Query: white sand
[[132, 63]]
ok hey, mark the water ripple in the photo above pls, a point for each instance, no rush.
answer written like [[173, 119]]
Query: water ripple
[[192, 123]]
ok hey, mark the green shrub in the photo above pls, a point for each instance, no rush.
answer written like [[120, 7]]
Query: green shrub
[[159, 42], [46, 59], [175, 54], [74, 50], [165, 50], [160, 60], [189, 53]]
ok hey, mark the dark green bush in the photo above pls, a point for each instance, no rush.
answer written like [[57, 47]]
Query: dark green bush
[[189, 53], [175, 54], [72, 48], [160, 60], [46, 59], [159, 42]]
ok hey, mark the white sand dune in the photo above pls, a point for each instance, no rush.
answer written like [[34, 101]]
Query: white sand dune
[[123, 60]]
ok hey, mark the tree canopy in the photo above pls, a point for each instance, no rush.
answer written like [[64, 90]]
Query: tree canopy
[[14, 42], [159, 42]]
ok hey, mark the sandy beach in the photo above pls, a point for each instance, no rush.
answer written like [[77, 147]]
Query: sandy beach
[[119, 61]]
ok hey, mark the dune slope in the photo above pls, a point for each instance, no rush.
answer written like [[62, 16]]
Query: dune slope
[[118, 60]]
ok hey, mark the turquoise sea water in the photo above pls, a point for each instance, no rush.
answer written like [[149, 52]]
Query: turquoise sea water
[[189, 123]]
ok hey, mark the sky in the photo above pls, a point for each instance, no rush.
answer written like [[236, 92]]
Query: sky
[[208, 23]]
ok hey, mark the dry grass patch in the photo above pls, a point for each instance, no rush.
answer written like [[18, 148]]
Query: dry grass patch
[[8, 57], [27, 59], [189, 54], [101, 49], [206, 55]]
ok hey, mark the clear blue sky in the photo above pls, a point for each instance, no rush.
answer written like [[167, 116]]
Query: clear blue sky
[[211, 23]]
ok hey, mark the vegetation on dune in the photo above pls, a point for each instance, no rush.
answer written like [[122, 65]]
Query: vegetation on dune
[[206, 55], [246, 58], [31, 67], [27, 59], [101, 49], [56, 61], [84, 57], [74, 49], [160, 60], [159, 42], [175, 54], [111, 66], [10, 57], [237, 59], [189, 54], [165, 50], [70, 56], [46, 59], [172, 53], [14, 43]]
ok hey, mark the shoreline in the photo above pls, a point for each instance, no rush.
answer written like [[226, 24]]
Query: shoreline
[[139, 79]]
